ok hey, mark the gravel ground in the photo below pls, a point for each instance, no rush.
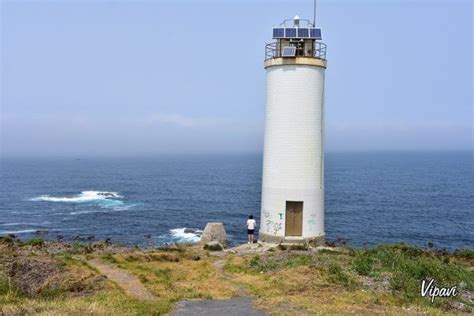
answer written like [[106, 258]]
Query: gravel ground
[[236, 306]]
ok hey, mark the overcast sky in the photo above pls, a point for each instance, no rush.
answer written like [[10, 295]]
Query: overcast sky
[[146, 77]]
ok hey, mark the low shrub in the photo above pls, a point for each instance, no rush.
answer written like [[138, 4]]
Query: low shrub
[[363, 265], [37, 241], [336, 275], [6, 240], [109, 258], [464, 253]]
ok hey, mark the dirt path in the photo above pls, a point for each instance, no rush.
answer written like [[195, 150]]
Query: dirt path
[[128, 282], [241, 305], [219, 266], [233, 307]]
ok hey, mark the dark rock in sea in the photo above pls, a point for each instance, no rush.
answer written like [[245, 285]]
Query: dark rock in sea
[[98, 245], [106, 194], [340, 241], [12, 236], [108, 241], [41, 232], [442, 252], [189, 231], [59, 237], [91, 238], [330, 243], [148, 236]]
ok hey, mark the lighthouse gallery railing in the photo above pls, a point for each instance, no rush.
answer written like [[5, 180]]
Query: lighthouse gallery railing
[[274, 50]]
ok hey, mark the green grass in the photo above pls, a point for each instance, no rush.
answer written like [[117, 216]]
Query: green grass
[[363, 265], [408, 265], [399, 269], [257, 264], [336, 274], [339, 279], [38, 241], [7, 288], [109, 258], [467, 254], [164, 275]]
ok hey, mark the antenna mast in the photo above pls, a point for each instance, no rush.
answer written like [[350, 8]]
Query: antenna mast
[[314, 13]]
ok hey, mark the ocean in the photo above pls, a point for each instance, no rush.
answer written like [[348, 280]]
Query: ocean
[[371, 197]]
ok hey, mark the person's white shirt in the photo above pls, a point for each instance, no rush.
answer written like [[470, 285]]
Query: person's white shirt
[[251, 223]]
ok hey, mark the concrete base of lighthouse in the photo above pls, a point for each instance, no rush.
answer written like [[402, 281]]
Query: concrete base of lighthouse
[[312, 241]]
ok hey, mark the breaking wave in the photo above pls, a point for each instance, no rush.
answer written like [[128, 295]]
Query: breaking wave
[[84, 196], [23, 231], [116, 207], [186, 235], [181, 235], [103, 199], [24, 223], [30, 231]]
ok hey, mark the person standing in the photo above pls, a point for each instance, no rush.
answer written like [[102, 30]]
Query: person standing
[[251, 224]]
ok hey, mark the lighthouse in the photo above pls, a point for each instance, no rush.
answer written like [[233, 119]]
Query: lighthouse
[[292, 209]]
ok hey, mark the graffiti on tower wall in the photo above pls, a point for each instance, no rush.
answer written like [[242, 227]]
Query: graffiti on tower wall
[[273, 226]]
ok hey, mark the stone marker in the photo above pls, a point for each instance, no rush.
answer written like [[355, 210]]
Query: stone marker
[[214, 232]]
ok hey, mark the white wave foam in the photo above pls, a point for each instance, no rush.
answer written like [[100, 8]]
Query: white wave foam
[[85, 196], [179, 235], [24, 231], [28, 224], [85, 212], [107, 206]]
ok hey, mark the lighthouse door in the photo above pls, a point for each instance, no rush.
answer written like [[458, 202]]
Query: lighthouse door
[[294, 219]]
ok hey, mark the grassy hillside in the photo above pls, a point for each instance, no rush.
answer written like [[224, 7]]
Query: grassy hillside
[[57, 278]]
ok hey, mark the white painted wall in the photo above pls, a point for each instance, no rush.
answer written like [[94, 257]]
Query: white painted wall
[[293, 161]]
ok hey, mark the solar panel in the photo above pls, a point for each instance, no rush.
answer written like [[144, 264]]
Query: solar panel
[[315, 33], [303, 32], [290, 32], [278, 32], [288, 52]]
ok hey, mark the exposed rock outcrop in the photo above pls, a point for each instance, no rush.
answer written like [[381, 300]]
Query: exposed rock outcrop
[[213, 246], [214, 232]]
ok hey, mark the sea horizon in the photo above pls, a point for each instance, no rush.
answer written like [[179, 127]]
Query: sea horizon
[[220, 153]]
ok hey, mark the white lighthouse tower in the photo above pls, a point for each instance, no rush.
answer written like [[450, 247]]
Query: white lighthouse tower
[[293, 161]]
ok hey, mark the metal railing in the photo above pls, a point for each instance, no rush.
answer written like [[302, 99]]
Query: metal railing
[[274, 50]]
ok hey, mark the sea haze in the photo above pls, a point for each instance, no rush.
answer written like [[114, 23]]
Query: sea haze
[[371, 198]]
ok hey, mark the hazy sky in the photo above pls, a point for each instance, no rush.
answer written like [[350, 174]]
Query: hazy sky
[[144, 77]]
